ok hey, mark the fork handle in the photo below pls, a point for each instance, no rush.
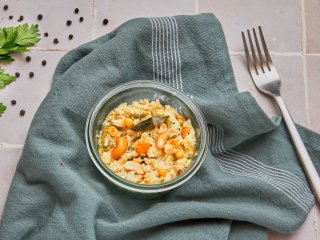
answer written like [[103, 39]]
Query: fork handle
[[304, 157]]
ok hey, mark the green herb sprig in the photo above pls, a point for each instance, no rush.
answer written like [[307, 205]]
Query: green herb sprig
[[15, 40]]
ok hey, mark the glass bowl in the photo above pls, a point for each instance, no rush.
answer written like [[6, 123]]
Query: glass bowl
[[134, 91]]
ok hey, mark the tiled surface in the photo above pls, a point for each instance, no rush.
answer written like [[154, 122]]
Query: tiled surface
[[313, 73], [313, 25], [292, 28], [28, 93], [239, 15], [8, 162], [119, 11], [292, 85]]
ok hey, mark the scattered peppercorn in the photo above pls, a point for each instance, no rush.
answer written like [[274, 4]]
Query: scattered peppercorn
[[28, 58], [13, 102], [70, 36], [44, 62], [17, 74], [69, 22], [76, 10], [5, 7], [31, 74], [22, 112], [40, 17], [20, 18], [105, 21], [56, 41], [46, 34], [81, 19], [10, 17]]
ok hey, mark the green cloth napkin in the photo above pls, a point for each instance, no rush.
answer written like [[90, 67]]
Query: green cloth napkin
[[251, 180]]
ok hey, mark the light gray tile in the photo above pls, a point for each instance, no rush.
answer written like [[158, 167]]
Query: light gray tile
[[280, 20], [312, 8], [313, 75], [119, 11], [9, 159], [293, 89], [55, 14], [28, 93]]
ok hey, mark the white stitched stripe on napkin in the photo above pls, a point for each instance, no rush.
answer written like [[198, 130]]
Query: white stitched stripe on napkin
[[243, 165], [165, 51]]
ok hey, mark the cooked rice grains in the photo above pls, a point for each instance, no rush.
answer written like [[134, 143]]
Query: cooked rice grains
[[146, 157]]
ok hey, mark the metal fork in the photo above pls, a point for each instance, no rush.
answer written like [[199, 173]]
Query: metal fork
[[267, 80]]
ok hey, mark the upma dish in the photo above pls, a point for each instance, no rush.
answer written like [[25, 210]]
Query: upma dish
[[141, 154]]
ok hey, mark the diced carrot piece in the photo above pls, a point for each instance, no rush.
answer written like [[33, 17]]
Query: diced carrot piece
[[185, 131], [162, 172], [174, 142], [142, 148]]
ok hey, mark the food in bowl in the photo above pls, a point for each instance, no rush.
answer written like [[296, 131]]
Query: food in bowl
[[152, 155]]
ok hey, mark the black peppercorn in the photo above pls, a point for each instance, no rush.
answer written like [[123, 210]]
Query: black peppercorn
[[13, 102], [44, 62], [40, 17], [28, 58], [17, 74], [81, 19], [46, 34], [31, 74], [105, 21], [10, 17], [56, 41], [76, 10], [70, 36], [69, 22], [5, 7], [20, 18], [22, 112]]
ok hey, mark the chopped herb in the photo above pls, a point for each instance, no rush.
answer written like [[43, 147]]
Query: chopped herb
[[17, 39], [5, 79], [2, 108]]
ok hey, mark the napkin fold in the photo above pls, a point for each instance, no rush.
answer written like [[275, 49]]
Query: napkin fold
[[251, 180]]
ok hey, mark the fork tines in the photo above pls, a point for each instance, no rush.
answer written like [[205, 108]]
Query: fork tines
[[264, 63]]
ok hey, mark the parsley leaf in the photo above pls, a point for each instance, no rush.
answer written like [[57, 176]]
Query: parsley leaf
[[5, 79], [17, 39], [2, 108]]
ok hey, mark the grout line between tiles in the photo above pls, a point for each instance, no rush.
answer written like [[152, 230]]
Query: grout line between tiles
[[49, 49], [197, 6], [304, 60], [4, 146], [94, 15]]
